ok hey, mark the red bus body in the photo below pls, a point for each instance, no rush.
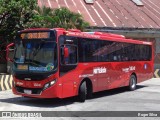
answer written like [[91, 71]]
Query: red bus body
[[101, 75]]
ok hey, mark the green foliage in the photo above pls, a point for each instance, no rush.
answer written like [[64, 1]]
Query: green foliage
[[47, 17], [42, 18], [14, 15]]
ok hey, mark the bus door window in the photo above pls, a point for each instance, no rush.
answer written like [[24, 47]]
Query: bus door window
[[72, 55]]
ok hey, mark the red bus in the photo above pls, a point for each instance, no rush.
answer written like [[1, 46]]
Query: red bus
[[55, 63]]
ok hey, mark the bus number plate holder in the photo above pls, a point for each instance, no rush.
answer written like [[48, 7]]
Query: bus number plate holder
[[27, 91]]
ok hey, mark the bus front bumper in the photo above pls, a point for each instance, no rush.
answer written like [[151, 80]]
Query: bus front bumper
[[51, 92]]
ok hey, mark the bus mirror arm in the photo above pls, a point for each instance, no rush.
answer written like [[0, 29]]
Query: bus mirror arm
[[7, 52]]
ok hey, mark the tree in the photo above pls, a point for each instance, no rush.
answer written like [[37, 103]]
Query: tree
[[61, 17], [67, 19], [14, 15], [43, 17]]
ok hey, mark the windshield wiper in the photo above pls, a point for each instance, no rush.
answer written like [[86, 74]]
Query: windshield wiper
[[33, 63]]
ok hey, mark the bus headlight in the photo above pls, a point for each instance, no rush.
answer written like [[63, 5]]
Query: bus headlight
[[53, 82], [47, 85]]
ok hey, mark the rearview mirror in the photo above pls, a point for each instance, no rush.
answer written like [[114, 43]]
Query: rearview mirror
[[66, 52], [65, 55], [69, 55], [7, 52]]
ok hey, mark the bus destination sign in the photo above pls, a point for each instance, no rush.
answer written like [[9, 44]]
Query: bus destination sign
[[35, 35]]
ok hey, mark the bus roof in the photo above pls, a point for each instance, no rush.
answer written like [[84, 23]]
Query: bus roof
[[92, 35], [34, 29], [106, 36]]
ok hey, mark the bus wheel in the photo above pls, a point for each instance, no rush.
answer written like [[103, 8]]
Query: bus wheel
[[132, 83], [82, 92]]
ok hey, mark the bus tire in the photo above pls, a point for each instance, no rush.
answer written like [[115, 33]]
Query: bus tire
[[89, 93], [132, 82], [82, 92], [89, 89]]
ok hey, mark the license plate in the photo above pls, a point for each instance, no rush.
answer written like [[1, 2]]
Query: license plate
[[28, 91]]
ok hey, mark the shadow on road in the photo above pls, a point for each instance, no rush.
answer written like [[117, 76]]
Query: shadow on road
[[61, 102], [38, 102], [114, 91]]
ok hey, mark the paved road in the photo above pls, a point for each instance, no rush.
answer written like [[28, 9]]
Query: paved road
[[145, 98]]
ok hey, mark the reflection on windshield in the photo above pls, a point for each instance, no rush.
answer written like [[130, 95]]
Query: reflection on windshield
[[35, 56]]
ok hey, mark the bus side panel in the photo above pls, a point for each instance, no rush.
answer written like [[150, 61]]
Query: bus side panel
[[72, 79], [121, 72], [69, 83], [145, 71], [120, 75], [104, 76], [117, 75], [147, 68]]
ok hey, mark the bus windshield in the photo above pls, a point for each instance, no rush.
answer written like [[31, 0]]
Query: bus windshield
[[35, 56]]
